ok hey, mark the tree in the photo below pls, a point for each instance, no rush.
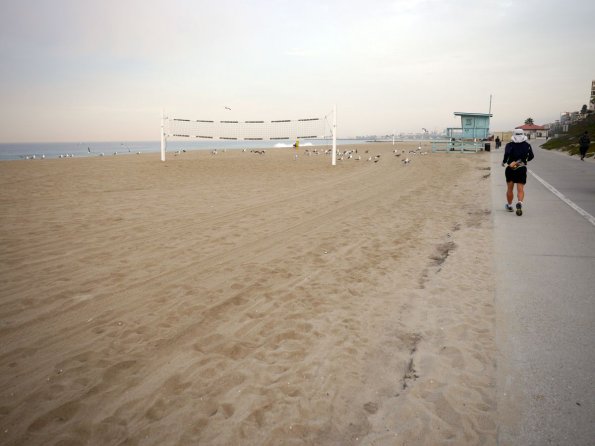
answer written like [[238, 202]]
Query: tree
[[584, 109], [529, 121]]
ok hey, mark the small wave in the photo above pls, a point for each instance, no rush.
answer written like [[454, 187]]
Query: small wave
[[282, 145]]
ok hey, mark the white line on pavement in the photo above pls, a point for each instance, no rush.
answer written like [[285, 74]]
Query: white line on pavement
[[561, 196]]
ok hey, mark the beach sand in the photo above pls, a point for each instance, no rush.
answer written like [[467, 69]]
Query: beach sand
[[245, 299]]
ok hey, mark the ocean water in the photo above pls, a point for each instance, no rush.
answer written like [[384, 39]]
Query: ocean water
[[15, 151]]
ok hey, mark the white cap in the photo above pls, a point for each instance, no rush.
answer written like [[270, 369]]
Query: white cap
[[518, 135]]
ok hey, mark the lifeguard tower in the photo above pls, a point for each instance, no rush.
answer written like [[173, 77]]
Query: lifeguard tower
[[475, 127]]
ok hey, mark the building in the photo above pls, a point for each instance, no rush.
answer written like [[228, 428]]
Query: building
[[474, 126], [533, 131], [567, 118], [592, 100]]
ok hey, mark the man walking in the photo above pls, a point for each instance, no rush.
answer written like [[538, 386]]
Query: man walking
[[517, 154], [583, 143]]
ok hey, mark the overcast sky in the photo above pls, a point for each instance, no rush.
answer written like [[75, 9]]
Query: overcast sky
[[83, 70]]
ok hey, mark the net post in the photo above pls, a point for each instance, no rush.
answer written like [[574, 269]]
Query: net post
[[163, 141], [334, 156]]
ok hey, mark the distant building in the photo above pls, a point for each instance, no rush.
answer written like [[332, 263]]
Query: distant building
[[564, 118], [533, 131], [569, 117], [473, 126], [592, 99]]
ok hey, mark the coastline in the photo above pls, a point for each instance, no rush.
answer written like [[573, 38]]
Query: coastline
[[94, 149]]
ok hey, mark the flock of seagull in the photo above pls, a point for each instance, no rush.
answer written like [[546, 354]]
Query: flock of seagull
[[70, 155], [353, 154], [341, 155]]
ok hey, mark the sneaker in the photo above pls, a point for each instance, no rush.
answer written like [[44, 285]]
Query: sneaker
[[519, 208], [508, 207]]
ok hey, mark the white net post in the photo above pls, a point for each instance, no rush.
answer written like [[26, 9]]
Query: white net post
[[163, 140], [334, 155]]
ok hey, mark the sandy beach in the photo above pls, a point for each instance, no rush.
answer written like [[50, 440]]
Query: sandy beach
[[246, 299]]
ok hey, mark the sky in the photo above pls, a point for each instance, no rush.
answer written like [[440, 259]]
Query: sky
[[104, 70]]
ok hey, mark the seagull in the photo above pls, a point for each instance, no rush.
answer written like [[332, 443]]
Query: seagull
[[227, 108]]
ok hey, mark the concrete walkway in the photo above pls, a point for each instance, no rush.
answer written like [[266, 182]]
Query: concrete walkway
[[545, 303]]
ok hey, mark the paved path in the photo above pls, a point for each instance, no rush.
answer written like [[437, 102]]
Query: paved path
[[545, 302]]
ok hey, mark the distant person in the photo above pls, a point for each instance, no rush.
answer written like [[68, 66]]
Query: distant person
[[498, 142], [583, 143], [517, 154], [297, 146]]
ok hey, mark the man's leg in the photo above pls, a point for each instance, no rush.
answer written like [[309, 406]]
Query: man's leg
[[520, 191], [520, 194], [509, 191]]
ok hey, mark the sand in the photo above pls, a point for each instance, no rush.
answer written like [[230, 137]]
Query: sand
[[245, 299]]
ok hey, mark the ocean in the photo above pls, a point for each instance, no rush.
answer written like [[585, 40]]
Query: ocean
[[15, 151]]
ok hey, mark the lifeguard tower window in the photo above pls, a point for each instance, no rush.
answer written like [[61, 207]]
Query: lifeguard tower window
[[468, 122]]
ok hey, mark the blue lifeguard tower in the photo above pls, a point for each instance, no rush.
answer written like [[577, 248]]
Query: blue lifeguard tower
[[474, 126]]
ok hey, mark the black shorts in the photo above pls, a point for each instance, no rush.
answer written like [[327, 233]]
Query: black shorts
[[516, 175]]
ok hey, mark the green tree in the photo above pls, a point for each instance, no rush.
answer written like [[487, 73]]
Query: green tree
[[584, 109], [529, 121]]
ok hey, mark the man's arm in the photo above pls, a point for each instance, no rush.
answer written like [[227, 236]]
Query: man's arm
[[530, 155], [506, 154]]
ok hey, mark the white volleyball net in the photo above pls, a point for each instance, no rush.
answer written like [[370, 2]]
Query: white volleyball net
[[321, 127], [249, 130]]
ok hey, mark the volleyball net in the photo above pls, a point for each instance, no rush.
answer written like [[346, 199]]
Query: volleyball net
[[322, 127]]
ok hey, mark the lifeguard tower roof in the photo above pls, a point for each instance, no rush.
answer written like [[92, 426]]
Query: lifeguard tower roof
[[489, 115]]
